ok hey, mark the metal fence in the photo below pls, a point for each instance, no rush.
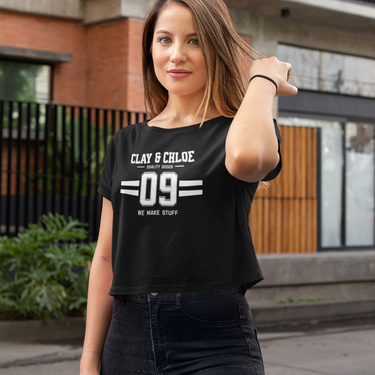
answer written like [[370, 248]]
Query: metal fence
[[51, 161]]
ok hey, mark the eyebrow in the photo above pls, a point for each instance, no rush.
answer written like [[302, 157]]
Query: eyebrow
[[167, 32]]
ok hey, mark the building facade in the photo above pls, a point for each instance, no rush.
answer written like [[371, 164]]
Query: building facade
[[88, 53]]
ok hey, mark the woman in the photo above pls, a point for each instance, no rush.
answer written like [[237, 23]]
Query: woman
[[174, 256]]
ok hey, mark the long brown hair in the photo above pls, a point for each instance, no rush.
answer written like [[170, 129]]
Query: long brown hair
[[225, 53]]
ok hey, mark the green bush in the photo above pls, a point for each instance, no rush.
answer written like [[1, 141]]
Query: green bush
[[42, 275]]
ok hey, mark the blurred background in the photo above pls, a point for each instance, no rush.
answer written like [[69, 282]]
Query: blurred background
[[70, 77]]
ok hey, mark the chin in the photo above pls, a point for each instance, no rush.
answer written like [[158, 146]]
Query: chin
[[183, 90], [180, 91]]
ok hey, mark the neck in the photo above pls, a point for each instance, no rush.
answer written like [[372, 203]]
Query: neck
[[183, 110]]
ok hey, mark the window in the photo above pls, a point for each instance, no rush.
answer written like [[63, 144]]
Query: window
[[347, 174], [25, 81], [330, 72], [359, 184]]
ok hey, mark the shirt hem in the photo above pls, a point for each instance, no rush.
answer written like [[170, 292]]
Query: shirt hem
[[105, 192], [184, 288]]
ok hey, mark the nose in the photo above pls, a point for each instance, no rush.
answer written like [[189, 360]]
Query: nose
[[178, 54]]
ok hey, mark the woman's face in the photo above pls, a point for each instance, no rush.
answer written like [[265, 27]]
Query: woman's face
[[175, 46]]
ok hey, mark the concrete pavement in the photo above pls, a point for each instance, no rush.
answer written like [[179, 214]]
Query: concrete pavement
[[332, 351], [21, 358], [331, 348], [59, 368]]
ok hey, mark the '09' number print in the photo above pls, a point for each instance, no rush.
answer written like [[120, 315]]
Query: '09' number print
[[168, 186]]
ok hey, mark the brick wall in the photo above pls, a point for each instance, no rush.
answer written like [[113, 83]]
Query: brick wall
[[114, 65], [134, 66], [51, 34], [106, 67]]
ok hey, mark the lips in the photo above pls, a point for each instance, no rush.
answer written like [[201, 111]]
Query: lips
[[178, 73]]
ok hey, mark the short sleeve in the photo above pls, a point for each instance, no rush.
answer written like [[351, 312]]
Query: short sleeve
[[275, 172], [105, 185]]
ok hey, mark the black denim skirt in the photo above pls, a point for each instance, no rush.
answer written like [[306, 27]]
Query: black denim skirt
[[189, 333]]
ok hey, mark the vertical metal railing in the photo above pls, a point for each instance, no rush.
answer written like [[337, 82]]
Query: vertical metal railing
[[51, 161]]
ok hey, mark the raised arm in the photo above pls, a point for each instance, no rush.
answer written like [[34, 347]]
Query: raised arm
[[99, 304], [251, 145]]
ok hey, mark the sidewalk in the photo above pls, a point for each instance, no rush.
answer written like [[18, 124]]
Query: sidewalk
[[331, 348], [330, 351], [37, 358]]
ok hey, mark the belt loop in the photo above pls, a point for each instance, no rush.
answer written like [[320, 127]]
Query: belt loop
[[178, 302]]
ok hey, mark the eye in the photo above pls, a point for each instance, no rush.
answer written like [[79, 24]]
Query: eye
[[197, 42], [160, 38]]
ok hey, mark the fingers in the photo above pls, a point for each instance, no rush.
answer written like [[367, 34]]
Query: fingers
[[279, 71], [288, 90]]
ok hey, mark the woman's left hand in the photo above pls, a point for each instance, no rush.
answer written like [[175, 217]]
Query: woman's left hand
[[278, 70]]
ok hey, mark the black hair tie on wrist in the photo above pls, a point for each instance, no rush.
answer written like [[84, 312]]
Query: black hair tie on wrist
[[266, 77]]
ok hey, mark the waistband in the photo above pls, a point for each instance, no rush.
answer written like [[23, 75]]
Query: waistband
[[182, 295]]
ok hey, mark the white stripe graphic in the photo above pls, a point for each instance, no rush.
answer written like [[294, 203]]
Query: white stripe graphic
[[130, 183], [130, 192], [189, 193], [184, 183]]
